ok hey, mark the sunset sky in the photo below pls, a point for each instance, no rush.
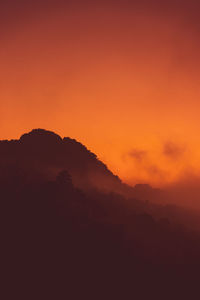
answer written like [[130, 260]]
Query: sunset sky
[[122, 77]]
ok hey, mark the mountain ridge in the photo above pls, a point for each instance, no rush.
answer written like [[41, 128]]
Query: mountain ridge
[[41, 148]]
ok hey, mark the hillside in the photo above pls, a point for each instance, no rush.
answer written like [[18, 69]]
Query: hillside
[[46, 153]]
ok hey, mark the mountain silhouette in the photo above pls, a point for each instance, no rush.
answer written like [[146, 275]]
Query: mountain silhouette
[[47, 154]]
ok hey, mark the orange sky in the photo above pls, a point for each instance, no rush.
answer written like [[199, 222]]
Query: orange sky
[[121, 78]]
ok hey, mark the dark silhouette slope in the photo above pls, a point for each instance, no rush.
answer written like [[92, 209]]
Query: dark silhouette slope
[[47, 153]]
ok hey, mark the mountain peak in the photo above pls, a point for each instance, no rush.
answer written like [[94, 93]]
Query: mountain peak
[[40, 135]]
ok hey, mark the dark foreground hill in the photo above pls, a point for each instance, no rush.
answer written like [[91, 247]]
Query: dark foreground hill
[[63, 242], [45, 154]]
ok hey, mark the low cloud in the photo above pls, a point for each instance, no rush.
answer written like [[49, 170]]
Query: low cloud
[[173, 151], [138, 155], [145, 166]]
